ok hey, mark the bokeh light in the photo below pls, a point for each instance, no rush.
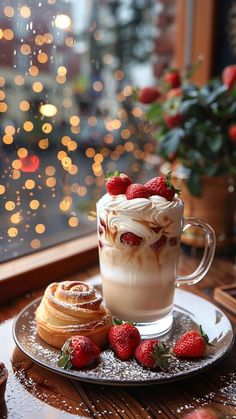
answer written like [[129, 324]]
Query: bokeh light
[[67, 117], [62, 21]]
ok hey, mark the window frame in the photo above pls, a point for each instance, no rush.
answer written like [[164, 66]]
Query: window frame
[[27, 273], [30, 272], [197, 39]]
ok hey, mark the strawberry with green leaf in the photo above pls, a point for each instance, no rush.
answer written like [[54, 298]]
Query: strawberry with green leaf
[[152, 353], [117, 182], [78, 351], [162, 186], [192, 344]]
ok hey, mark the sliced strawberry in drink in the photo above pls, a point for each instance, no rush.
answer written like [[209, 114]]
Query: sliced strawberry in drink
[[130, 239], [100, 230], [102, 222], [159, 243]]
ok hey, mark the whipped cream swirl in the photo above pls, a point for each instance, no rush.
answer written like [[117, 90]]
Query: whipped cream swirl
[[139, 214]]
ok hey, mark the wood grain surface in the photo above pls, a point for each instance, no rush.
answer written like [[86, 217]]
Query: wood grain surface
[[34, 392]]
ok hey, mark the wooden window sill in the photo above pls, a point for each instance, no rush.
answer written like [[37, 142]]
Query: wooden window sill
[[30, 272]]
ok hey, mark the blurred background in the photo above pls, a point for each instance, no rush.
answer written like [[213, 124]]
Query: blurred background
[[68, 70]]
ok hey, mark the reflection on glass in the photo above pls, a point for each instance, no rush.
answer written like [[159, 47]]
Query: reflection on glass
[[66, 112]]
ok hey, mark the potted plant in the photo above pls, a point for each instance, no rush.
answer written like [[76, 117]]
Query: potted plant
[[195, 129]]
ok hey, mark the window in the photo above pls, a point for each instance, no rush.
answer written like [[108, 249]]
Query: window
[[67, 68]]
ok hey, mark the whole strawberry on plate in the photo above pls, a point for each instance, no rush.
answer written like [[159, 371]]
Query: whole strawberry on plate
[[124, 339], [152, 353], [192, 344], [78, 351], [117, 183], [162, 186]]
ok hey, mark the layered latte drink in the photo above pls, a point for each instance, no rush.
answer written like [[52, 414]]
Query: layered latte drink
[[139, 230], [139, 250]]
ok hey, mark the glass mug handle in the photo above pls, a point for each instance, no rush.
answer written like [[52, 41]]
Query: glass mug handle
[[208, 255]]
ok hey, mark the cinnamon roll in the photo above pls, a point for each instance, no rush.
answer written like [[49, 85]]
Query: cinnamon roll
[[72, 308]]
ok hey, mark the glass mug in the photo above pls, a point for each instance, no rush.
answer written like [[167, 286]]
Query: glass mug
[[139, 246]]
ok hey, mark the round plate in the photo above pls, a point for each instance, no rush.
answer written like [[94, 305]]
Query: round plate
[[189, 311]]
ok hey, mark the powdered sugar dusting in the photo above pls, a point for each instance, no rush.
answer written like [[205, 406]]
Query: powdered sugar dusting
[[111, 370]]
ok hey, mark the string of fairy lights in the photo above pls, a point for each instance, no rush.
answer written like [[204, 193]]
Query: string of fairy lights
[[25, 177]]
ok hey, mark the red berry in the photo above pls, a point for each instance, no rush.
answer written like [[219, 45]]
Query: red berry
[[78, 351], [173, 121], [229, 76], [130, 239], [152, 353], [136, 190], [159, 243], [100, 230], [177, 92], [124, 339], [232, 133], [203, 413], [102, 222], [191, 345], [162, 186], [118, 184], [172, 78], [149, 94]]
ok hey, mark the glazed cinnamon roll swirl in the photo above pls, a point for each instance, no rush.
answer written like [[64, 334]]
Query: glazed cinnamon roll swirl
[[72, 308]]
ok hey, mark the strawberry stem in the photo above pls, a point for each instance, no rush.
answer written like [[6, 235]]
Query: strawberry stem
[[205, 336], [169, 184], [161, 356], [66, 354], [117, 322], [112, 174]]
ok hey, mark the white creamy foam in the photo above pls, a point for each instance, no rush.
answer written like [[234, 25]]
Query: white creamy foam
[[121, 203], [122, 215]]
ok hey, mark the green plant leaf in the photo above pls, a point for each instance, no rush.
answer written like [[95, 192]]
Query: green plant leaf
[[154, 111], [194, 68], [233, 93], [192, 108], [216, 142], [170, 142], [190, 90], [216, 94], [193, 155], [211, 169], [194, 184]]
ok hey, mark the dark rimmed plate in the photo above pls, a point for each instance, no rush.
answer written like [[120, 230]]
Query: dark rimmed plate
[[189, 311]]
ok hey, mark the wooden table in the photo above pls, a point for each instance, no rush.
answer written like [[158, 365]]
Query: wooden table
[[34, 392]]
